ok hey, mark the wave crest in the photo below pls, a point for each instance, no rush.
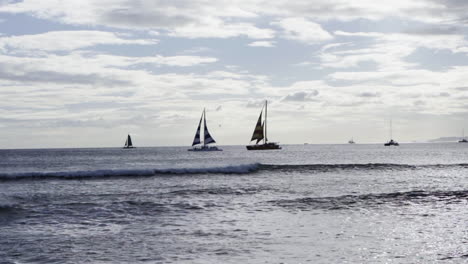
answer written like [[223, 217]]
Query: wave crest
[[229, 169], [235, 169]]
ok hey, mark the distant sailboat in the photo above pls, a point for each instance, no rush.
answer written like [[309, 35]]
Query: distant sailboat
[[207, 139], [391, 142], [351, 141], [463, 140], [260, 132], [128, 143]]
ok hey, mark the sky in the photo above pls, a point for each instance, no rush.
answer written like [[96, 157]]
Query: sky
[[84, 73]]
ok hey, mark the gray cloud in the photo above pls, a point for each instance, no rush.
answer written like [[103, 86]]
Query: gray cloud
[[60, 78], [255, 104], [369, 94], [434, 30], [301, 96]]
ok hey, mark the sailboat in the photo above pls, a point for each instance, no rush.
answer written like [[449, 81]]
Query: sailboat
[[463, 140], [260, 132], [391, 142], [351, 141], [207, 139], [128, 143]]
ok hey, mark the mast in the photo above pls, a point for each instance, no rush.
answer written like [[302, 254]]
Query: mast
[[391, 129], [265, 140], [204, 127]]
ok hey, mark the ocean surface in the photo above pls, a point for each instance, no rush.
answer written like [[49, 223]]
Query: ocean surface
[[302, 204]]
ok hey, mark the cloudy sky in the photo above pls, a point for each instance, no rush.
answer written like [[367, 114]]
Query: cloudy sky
[[82, 73]]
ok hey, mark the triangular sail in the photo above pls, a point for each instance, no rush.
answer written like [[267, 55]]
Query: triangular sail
[[260, 139], [208, 138], [128, 143], [196, 140], [258, 132]]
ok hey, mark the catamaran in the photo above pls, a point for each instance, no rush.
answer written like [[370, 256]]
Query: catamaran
[[260, 132], [128, 143], [207, 139], [391, 142]]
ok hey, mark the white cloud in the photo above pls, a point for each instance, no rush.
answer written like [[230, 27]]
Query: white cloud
[[215, 28], [266, 44], [60, 79], [66, 41], [302, 30]]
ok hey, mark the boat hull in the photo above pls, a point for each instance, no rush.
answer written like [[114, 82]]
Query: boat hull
[[391, 143], [129, 147], [205, 149], [266, 146]]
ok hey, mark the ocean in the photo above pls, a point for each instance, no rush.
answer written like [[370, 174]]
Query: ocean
[[358, 203]]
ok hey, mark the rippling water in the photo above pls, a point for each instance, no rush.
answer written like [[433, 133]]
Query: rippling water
[[311, 203]]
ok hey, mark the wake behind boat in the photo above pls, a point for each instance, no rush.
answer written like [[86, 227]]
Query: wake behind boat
[[207, 139], [260, 133], [128, 143]]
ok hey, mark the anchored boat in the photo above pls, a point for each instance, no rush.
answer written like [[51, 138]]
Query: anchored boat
[[128, 143], [463, 139], [207, 138], [391, 142], [260, 133]]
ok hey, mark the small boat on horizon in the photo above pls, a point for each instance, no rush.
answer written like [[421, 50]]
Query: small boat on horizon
[[207, 138], [260, 132], [463, 140], [391, 142], [128, 143], [351, 141]]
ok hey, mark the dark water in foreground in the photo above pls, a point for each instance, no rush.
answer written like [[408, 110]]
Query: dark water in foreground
[[302, 204]]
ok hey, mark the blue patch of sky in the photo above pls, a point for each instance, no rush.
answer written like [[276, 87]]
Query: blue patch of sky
[[21, 24], [437, 60]]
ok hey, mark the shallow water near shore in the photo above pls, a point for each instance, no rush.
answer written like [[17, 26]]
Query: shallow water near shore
[[302, 204]]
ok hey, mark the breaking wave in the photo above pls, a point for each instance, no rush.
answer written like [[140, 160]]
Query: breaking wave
[[232, 169], [237, 169]]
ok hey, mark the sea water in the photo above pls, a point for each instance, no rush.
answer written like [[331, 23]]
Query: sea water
[[302, 204]]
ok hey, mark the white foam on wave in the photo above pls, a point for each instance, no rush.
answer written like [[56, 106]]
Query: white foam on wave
[[231, 169]]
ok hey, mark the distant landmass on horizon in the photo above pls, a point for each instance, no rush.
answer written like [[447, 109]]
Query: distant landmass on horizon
[[445, 139]]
